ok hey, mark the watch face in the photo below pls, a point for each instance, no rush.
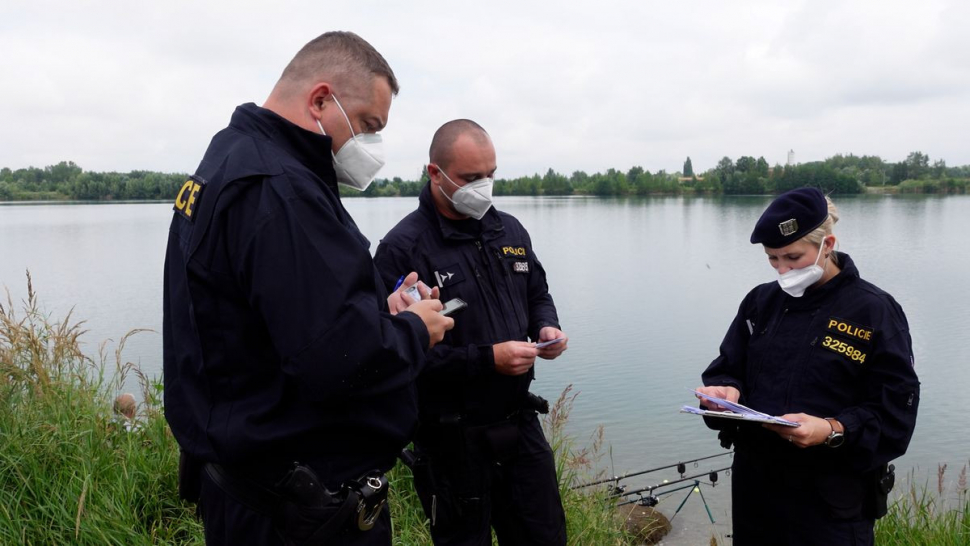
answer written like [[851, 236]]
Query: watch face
[[835, 439]]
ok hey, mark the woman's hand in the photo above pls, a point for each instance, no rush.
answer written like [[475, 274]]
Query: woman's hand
[[812, 432], [725, 392]]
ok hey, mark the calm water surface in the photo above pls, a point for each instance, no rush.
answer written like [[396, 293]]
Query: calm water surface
[[645, 289]]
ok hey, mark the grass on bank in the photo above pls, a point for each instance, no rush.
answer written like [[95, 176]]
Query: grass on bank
[[921, 515], [933, 186], [70, 473]]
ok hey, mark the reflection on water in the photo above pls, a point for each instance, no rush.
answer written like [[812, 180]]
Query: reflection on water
[[645, 289]]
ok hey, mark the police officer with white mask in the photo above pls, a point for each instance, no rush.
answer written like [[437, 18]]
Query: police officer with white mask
[[830, 351], [482, 459], [289, 369]]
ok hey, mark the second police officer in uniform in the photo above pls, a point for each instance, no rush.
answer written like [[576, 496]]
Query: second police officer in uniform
[[829, 350], [482, 458], [289, 383]]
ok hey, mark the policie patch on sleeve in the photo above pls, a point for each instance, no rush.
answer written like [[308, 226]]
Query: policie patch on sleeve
[[514, 252], [189, 196]]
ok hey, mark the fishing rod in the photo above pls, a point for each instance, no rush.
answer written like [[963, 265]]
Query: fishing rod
[[651, 488], [681, 469], [653, 499]]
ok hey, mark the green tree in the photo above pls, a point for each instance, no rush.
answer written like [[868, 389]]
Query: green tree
[[723, 172], [900, 172], [762, 167], [554, 183], [918, 164], [633, 173], [745, 164], [63, 171], [688, 168], [645, 184], [579, 181]]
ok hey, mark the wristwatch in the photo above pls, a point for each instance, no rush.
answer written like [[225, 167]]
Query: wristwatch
[[835, 438]]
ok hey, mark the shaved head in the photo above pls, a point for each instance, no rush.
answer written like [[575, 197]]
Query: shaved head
[[342, 58], [444, 139]]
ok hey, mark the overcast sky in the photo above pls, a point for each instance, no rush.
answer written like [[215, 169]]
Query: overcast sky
[[570, 85]]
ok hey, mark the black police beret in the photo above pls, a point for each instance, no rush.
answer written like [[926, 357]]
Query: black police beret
[[791, 216]]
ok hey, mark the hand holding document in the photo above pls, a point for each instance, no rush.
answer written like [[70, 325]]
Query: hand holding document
[[736, 411], [543, 344]]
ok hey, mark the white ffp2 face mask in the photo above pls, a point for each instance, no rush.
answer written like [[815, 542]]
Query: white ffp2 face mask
[[473, 199], [796, 281], [359, 160]]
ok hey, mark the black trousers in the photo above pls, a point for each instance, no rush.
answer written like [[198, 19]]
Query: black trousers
[[776, 504], [228, 522], [468, 489]]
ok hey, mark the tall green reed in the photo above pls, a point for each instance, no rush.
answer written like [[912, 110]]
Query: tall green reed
[[70, 471], [924, 515]]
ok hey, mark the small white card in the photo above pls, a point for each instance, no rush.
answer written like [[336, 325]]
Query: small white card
[[413, 293]]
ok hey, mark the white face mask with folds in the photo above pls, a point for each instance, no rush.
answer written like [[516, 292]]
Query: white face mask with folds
[[473, 199], [359, 160], [796, 281]]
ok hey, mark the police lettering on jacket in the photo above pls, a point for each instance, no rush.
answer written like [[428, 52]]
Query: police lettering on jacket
[[823, 354]]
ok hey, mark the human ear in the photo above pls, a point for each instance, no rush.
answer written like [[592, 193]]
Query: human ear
[[318, 97]]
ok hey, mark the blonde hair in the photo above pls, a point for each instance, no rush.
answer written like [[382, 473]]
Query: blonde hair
[[824, 230]]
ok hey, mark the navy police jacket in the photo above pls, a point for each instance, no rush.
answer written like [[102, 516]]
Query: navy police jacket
[[278, 346], [490, 265], [842, 350]]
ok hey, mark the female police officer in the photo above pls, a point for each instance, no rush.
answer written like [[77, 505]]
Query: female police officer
[[830, 351]]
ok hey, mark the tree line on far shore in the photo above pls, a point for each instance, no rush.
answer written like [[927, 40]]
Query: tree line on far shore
[[840, 174]]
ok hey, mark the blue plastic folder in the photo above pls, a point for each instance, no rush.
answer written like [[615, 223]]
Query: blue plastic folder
[[737, 411]]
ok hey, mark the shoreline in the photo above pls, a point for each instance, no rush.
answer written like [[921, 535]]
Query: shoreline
[[889, 191]]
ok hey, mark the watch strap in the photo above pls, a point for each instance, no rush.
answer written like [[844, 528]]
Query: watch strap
[[834, 438]]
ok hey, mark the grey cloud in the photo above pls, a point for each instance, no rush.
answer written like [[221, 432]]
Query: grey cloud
[[568, 85]]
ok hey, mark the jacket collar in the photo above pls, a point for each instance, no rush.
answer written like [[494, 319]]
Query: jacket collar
[[491, 223], [847, 275], [310, 149]]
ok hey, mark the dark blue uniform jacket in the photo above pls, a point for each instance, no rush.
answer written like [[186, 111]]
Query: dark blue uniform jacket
[[489, 264], [843, 350], [278, 346]]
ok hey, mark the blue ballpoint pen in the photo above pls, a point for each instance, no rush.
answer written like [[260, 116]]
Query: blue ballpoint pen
[[398, 284]]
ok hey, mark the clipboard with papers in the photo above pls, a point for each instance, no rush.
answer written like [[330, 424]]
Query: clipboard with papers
[[736, 411]]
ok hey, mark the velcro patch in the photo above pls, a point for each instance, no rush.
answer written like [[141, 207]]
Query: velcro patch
[[188, 197], [514, 251], [520, 267], [448, 276], [843, 327], [843, 348]]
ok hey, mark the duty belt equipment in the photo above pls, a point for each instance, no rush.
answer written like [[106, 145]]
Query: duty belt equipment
[[359, 502]]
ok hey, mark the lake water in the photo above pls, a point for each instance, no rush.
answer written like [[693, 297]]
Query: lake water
[[645, 289]]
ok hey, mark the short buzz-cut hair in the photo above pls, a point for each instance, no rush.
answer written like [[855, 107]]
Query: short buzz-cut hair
[[446, 135], [340, 56]]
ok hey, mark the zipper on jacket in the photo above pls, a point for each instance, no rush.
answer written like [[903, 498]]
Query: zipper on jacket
[[508, 285], [493, 287]]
